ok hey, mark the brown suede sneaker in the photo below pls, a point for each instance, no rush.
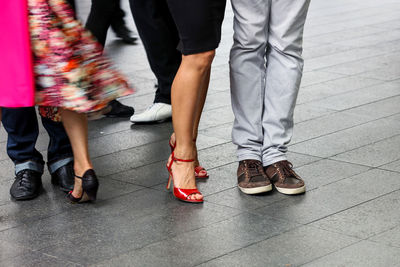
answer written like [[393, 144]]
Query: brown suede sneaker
[[252, 178], [284, 178]]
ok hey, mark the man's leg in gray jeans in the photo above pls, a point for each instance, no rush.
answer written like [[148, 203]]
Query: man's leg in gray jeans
[[266, 67], [247, 72], [283, 76]]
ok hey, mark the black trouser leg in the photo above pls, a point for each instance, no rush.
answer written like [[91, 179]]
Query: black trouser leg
[[117, 20], [99, 20], [160, 38]]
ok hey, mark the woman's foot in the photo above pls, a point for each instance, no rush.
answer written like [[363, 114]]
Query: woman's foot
[[88, 189], [200, 172], [183, 174], [80, 172]]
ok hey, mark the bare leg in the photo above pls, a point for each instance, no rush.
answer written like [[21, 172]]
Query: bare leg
[[185, 97], [75, 125], [199, 110], [201, 102]]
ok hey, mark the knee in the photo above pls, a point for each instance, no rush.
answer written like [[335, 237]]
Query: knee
[[201, 61], [291, 47]]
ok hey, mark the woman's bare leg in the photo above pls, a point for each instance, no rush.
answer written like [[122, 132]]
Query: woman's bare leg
[[75, 125], [201, 102], [199, 110], [185, 97]]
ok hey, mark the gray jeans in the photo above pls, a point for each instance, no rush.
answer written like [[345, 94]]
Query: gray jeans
[[265, 70]]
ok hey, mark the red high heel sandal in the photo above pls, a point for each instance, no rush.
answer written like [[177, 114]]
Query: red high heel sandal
[[180, 193], [197, 169]]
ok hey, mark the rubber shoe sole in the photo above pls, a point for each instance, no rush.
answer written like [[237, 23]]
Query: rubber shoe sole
[[256, 190], [291, 191]]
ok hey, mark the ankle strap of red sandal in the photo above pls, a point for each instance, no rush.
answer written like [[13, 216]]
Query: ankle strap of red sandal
[[181, 160]]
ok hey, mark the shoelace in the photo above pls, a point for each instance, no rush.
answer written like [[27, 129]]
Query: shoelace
[[23, 179], [254, 168], [285, 169]]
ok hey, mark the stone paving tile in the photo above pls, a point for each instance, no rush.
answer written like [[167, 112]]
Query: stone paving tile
[[334, 87], [291, 248], [223, 131], [348, 15], [363, 65], [334, 197], [324, 125], [323, 172], [131, 158], [145, 218], [365, 220], [349, 139], [374, 155], [6, 170], [333, 37], [52, 199], [308, 112], [359, 97], [390, 237], [382, 108], [315, 77], [9, 250], [345, 57], [394, 166], [191, 247], [362, 254], [38, 259], [384, 74], [369, 40]]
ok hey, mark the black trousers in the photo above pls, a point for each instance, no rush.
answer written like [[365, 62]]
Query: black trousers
[[160, 38], [103, 14]]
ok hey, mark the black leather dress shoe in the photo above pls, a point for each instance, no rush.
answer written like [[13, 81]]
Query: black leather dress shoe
[[27, 185], [64, 177], [125, 34], [119, 110]]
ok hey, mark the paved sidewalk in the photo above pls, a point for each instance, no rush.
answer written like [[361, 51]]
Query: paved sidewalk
[[346, 146]]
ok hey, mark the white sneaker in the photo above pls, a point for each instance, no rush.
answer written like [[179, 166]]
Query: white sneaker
[[157, 112]]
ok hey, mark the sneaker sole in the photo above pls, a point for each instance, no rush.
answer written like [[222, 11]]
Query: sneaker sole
[[256, 190], [152, 122], [291, 191]]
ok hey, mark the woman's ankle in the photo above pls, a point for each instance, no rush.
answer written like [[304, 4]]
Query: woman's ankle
[[80, 169]]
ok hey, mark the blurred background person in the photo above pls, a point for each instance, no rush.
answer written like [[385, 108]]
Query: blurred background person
[[106, 13], [160, 39], [72, 79], [103, 14], [19, 116]]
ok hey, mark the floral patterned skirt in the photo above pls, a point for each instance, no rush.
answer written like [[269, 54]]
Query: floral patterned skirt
[[70, 69]]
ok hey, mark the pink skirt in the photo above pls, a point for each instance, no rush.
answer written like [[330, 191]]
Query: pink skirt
[[16, 71]]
